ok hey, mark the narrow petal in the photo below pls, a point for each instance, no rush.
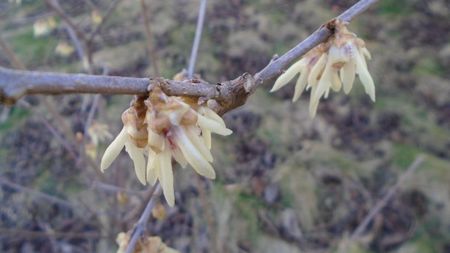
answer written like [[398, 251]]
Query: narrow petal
[[137, 155], [206, 134], [193, 156], [113, 150], [179, 157], [348, 75], [199, 143], [313, 104], [166, 177], [365, 77], [284, 78], [212, 125], [336, 84], [155, 140], [212, 115], [152, 168], [324, 83], [300, 85], [318, 68], [366, 53]]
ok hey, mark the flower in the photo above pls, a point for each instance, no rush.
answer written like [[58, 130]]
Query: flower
[[150, 244], [330, 65], [164, 127], [176, 129], [133, 137]]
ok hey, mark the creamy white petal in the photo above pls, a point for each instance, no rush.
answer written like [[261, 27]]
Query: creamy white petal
[[198, 143], [113, 149], [206, 134], [137, 155], [317, 70], [365, 77], [284, 78], [212, 125], [348, 75], [193, 156], [327, 92], [300, 85], [152, 168], [179, 157], [155, 140], [211, 114], [313, 104], [324, 83], [366, 53], [336, 84], [166, 176]]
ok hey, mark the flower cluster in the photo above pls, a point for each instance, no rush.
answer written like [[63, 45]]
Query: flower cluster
[[163, 127], [330, 65]]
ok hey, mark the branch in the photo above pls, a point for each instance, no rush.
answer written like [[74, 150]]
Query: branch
[[56, 7], [386, 198], [143, 220], [198, 36], [228, 94], [152, 55]]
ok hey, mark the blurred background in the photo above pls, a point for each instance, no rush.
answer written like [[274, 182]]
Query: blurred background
[[286, 182]]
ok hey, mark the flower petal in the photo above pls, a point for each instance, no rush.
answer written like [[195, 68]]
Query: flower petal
[[206, 134], [364, 76], [137, 155], [113, 149], [152, 168], [284, 78], [336, 84], [324, 83], [193, 156], [317, 70], [166, 176], [178, 156], [211, 114], [300, 85], [212, 125], [198, 143], [348, 75]]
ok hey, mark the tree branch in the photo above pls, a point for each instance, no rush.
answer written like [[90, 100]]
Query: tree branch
[[198, 36], [143, 220], [229, 94]]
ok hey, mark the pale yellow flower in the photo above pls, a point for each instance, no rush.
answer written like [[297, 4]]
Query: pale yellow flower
[[44, 26], [176, 129], [163, 128], [64, 49], [146, 244], [331, 65], [133, 137]]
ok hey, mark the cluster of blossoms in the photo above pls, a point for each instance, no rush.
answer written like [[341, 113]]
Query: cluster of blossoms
[[330, 65], [163, 127]]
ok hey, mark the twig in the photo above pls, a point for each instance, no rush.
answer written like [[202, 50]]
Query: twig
[[228, 94], [152, 55], [386, 198], [198, 36], [112, 188], [143, 220], [108, 13], [35, 193], [78, 47], [14, 233], [56, 7], [15, 62]]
